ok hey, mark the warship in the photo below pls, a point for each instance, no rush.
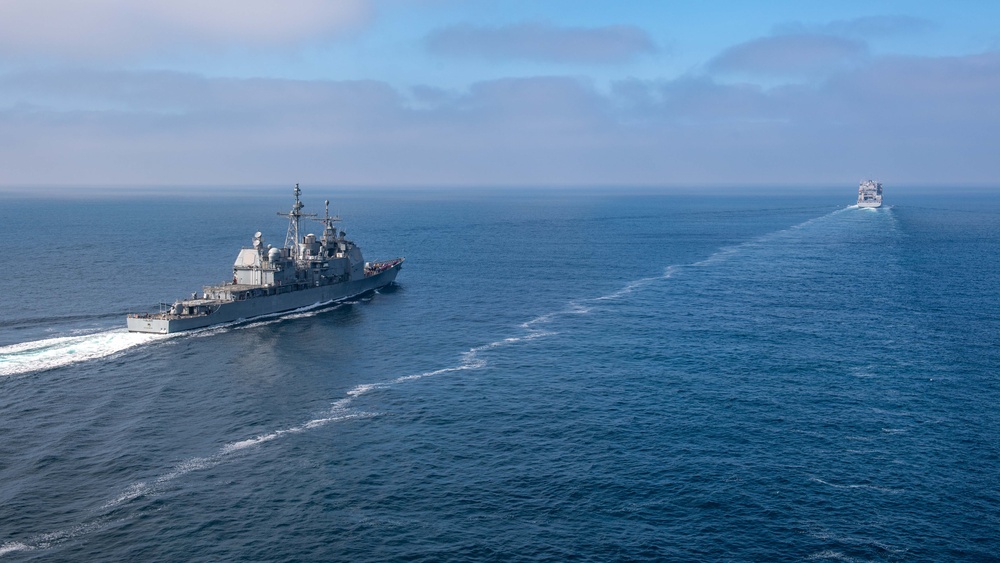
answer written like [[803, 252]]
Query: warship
[[870, 194], [308, 270]]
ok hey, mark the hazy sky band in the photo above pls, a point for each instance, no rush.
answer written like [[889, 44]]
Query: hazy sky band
[[486, 93]]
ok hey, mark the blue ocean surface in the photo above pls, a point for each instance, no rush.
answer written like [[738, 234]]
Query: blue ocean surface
[[589, 375]]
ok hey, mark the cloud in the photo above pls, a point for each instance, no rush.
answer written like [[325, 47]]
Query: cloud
[[908, 119], [927, 95], [790, 55], [124, 28], [861, 28], [542, 42]]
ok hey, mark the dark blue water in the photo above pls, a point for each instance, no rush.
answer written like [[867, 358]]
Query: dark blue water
[[557, 376]]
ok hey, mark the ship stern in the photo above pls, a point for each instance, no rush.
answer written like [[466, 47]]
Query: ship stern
[[148, 324]]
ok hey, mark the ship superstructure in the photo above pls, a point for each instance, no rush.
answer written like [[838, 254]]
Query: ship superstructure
[[870, 194], [266, 279]]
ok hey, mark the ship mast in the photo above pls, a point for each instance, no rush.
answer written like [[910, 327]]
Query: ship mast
[[328, 221], [292, 237]]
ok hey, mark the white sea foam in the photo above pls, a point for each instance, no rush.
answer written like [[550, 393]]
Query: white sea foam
[[722, 254], [629, 288], [13, 547], [133, 491], [250, 442], [830, 554], [142, 488], [49, 539], [51, 353], [359, 390], [828, 537], [40, 355], [859, 438], [863, 487], [862, 373], [472, 364], [728, 252], [572, 308], [270, 318], [341, 404]]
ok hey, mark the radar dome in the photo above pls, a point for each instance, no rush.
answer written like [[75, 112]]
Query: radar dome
[[273, 255]]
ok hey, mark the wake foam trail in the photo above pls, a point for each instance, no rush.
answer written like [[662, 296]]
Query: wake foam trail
[[585, 306], [52, 539], [269, 319], [51, 353], [862, 487], [14, 547], [40, 355], [728, 252], [140, 489], [629, 288], [339, 411]]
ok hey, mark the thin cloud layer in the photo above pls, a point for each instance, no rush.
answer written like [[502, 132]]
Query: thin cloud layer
[[542, 42], [913, 119], [257, 91], [120, 29], [861, 28], [790, 55]]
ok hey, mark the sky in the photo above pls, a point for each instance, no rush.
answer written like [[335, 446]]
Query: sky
[[473, 93]]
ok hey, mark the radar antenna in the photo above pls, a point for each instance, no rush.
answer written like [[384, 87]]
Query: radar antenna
[[292, 237], [328, 222]]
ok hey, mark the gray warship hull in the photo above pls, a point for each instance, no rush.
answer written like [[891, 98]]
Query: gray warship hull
[[308, 270], [229, 311]]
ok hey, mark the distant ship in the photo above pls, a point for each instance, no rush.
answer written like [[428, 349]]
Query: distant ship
[[870, 194], [306, 271]]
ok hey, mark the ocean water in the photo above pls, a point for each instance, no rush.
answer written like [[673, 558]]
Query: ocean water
[[590, 375]]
